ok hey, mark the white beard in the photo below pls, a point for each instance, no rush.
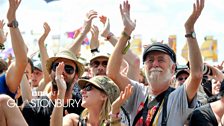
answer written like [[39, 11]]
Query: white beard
[[155, 76]]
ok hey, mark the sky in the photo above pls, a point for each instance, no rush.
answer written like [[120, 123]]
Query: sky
[[156, 19]]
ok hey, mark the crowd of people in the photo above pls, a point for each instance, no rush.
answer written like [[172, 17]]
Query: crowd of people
[[108, 89]]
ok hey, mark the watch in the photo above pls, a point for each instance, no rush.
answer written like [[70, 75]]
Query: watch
[[191, 35], [13, 24]]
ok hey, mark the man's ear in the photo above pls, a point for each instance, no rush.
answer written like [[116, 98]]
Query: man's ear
[[174, 68]]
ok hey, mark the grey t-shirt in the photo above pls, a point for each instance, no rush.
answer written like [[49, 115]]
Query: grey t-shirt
[[177, 105]]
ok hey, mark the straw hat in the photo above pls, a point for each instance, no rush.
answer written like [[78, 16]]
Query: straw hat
[[65, 54]]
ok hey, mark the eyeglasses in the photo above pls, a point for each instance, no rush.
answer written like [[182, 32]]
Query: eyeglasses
[[89, 87], [96, 63], [68, 68], [181, 78]]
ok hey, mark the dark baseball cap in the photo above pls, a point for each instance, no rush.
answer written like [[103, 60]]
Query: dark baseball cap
[[158, 46]]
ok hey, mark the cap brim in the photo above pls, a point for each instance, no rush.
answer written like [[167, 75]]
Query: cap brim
[[82, 83]]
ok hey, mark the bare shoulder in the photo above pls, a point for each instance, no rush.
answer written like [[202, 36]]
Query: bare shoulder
[[71, 120]]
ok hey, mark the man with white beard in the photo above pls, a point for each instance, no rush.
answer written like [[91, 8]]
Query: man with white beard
[[157, 104]]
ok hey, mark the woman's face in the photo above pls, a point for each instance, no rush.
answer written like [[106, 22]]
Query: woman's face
[[215, 87], [92, 96]]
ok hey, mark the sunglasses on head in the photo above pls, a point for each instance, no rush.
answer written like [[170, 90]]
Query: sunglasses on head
[[68, 68], [89, 87], [96, 63], [181, 78]]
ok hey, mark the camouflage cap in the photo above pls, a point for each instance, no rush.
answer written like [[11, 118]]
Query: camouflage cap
[[104, 83]]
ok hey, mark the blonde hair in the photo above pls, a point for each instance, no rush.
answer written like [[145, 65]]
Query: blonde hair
[[104, 113]]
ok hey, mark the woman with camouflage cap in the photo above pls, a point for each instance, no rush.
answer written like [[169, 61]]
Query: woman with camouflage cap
[[100, 98]]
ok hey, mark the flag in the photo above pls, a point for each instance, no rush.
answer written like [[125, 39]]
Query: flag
[[172, 42], [184, 52], [75, 33], [136, 45], [209, 49]]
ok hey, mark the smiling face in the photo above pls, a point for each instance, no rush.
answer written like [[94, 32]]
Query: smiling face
[[215, 86], [92, 96], [159, 69]]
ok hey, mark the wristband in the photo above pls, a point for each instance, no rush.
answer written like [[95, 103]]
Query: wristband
[[110, 35], [94, 50], [126, 35], [126, 48], [2, 46]]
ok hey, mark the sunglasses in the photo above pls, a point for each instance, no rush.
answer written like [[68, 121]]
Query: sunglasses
[[181, 78], [96, 63], [68, 68], [89, 87]]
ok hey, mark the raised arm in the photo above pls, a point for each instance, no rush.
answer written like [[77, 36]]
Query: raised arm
[[94, 41], [16, 69], [131, 58], [57, 114], [195, 58], [85, 29], [117, 56], [3, 35], [44, 56]]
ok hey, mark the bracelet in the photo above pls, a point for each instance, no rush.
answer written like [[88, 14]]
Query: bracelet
[[94, 50], [109, 36], [117, 115]]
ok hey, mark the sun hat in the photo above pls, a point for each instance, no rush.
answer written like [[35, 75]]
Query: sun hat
[[99, 55], [104, 83], [158, 46], [65, 54]]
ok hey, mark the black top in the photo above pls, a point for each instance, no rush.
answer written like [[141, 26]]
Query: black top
[[38, 111], [203, 116]]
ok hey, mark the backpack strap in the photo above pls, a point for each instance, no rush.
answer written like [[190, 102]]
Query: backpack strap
[[164, 111], [126, 114]]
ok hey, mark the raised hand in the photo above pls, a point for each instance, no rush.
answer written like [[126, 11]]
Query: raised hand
[[88, 21], [129, 25], [197, 9], [47, 29], [94, 42], [60, 78], [106, 30], [3, 35], [124, 95], [13, 5]]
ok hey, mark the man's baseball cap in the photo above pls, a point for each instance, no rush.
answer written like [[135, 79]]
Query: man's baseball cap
[[158, 46]]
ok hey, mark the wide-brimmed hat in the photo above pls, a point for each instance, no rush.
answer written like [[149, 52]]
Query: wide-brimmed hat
[[158, 46], [99, 55], [104, 83], [66, 54]]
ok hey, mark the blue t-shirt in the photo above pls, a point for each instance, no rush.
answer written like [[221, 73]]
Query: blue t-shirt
[[4, 88]]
